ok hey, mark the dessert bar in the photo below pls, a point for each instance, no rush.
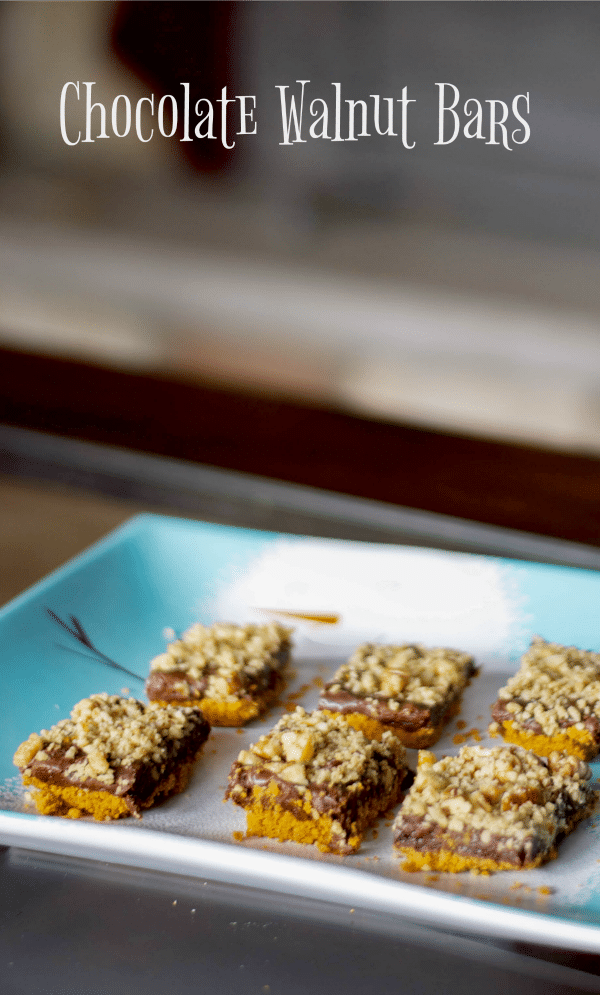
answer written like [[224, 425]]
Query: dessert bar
[[490, 809], [112, 758], [232, 672], [316, 779], [409, 690], [552, 702]]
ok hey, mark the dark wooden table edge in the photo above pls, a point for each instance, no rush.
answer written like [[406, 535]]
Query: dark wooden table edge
[[249, 501], [496, 484]]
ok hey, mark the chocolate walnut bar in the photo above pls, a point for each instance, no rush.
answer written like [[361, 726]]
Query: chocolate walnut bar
[[232, 672], [315, 779], [552, 702], [409, 690], [112, 758], [491, 809]]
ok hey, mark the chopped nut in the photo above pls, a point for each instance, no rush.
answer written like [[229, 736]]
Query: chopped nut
[[247, 758], [297, 746], [27, 750], [294, 773], [97, 762]]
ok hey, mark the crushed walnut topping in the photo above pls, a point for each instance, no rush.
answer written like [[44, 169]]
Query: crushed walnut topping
[[505, 791], [407, 673], [324, 750], [556, 686], [106, 732], [227, 657]]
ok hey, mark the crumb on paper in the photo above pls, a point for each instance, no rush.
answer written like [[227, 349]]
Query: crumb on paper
[[240, 732], [290, 701], [123, 691], [431, 878], [545, 890], [352, 910], [460, 738], [461, 724], [516, 886], [301, 690], [238, 836], [175, 902], [318, 682]]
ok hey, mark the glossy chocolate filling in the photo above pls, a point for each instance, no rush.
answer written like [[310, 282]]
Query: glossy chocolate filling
[[501, 714], [136, 782], [408, 715], [161, 684], [428, 837]]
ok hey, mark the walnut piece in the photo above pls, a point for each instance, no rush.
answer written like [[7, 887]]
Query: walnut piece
[[27, 750]]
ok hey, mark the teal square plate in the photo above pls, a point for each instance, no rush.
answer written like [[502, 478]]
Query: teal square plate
[[94, 624]]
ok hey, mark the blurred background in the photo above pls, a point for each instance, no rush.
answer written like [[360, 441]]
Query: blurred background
[[451, 287]]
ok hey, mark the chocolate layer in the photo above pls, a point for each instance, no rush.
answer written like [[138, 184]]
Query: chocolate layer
[[162, 685], [429, 837], [408, 715], [340, 804], [136, 783]]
